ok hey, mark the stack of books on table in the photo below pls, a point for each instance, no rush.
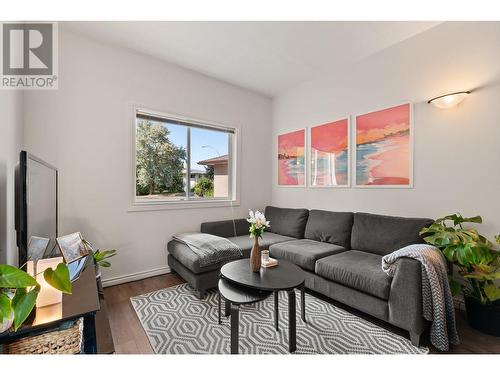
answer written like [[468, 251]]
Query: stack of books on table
[[270, 263]]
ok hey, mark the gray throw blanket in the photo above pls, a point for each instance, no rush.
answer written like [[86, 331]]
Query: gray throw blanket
[[211, 249], [436, 294]]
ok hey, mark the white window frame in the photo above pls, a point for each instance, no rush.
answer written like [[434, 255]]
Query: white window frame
[[233, 166]]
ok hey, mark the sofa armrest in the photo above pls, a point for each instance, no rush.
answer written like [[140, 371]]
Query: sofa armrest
[[405, 299], [226, 228]]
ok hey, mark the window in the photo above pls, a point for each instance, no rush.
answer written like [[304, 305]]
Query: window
[[182, 160]]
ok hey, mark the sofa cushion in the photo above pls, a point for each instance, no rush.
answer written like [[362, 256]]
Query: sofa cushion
[[382, 235], [358, 270], [304, 253], [328, 226], [287, 221], [226, 228], [268, 239]]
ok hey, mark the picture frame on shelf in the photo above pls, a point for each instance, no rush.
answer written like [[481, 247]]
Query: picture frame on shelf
[[72, 247], [37, 247]]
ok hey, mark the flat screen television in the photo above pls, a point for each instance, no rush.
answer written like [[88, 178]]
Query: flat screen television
[[36, 207]]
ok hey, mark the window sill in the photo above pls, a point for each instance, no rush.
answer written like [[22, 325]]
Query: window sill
[[157, 206]]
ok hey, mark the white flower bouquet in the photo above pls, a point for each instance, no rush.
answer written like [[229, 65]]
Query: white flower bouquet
[[258, 223]]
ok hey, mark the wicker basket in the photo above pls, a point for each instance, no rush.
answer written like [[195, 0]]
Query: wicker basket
[[63, 341]]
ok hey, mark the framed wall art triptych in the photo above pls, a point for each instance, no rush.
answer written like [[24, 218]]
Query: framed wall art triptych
[[382, 152]]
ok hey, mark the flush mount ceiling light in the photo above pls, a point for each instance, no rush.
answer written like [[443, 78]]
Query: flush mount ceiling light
[[448, 100]]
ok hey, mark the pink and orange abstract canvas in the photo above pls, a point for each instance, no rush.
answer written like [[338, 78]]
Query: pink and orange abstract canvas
[[383, 147], [330, 154], [291, 158]]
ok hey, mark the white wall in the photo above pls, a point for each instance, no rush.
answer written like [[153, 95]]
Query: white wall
[[457, 151], [84, 129], [11, 138]]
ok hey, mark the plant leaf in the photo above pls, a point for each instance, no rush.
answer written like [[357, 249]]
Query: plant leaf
[[59, 278], [108, 253], [475, 219], [455, 286], [5, 307], [482, 268], [483, 276], [492, 292], [449, 253], [104, 263], [97, 256], [13, 277], [23, 303]]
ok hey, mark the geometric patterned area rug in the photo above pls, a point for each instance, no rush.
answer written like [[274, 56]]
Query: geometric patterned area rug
[[177, 322]]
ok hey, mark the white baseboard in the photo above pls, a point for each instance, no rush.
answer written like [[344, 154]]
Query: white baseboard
[[135, 276]]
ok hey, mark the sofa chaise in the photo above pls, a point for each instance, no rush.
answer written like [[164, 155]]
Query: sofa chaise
[[341, 253]]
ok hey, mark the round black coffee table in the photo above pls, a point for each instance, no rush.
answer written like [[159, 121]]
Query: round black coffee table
[[286, 276]]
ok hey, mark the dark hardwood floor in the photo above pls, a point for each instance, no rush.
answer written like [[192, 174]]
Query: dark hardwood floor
[[129, 337]]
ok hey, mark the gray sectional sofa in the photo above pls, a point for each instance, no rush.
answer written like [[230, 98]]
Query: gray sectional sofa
[[341, 253]]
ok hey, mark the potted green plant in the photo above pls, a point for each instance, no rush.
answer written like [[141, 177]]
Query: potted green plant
[[478, 265], [19, 291], [100, 257]]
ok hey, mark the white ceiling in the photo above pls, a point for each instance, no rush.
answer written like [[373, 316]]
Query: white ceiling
[[267, 57]]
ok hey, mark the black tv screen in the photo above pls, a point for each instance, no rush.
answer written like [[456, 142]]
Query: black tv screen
[[36, 207]]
